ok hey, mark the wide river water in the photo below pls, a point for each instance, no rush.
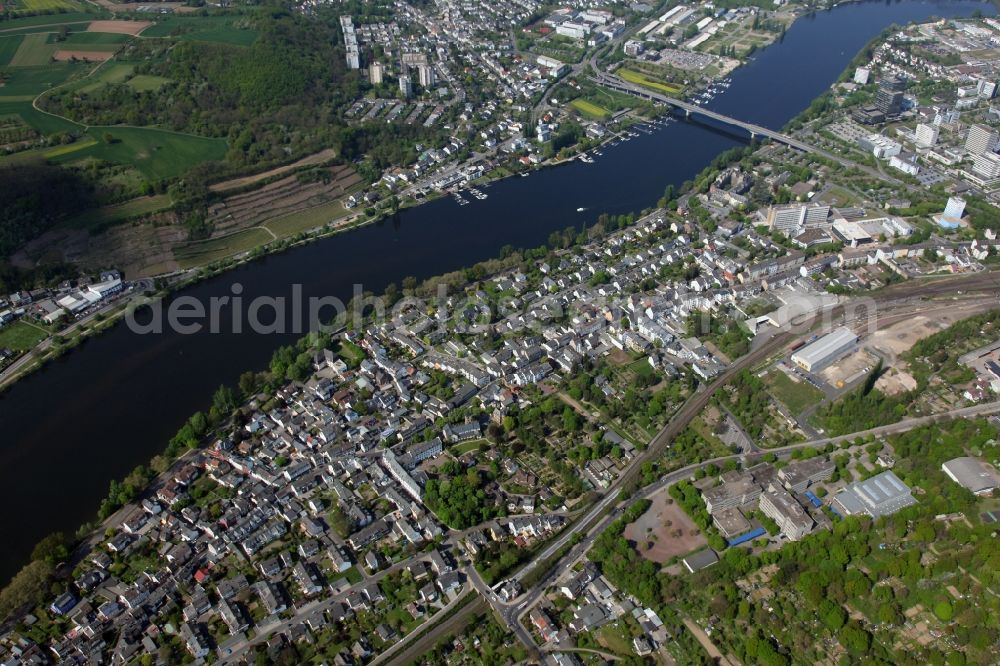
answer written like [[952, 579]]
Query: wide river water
[[94, 415]]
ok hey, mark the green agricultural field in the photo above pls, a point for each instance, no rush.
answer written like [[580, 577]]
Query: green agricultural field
[[220, 29], [8, 47], [51, 6], [45, 22], [37, 120], [36, 80], [645, 81], [303, 220], [201, 253], [60, 151], [20, 336], [156, 153], [90, 39], [147, 82], [34, 51], [590, 109]]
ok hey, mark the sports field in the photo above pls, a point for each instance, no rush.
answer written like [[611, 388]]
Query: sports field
[[645, 81]]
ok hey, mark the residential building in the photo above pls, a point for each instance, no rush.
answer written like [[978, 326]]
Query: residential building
[[987, 165], [926, 135], [406, 86], [981, 139]]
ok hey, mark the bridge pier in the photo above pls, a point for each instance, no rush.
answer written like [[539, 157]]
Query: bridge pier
[[687, 113]]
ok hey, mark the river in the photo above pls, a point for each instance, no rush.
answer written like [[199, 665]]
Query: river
[[112, 404]]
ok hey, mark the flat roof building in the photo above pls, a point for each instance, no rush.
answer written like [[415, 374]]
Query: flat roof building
[[825, 350], [730, 522], [799, 475], [882, 495], [973, 475], [778, 504]]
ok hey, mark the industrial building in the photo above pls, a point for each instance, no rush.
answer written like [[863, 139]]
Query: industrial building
[[826, 350], [700, 560], [881, 495], [973, 475]]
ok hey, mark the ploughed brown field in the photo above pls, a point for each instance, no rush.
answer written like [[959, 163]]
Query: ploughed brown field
[[119, 27], [89, 56]]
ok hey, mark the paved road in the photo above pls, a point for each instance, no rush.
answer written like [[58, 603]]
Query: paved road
[[897, 296], [615, 83], [137, 290], [240, 650], [449, 627]]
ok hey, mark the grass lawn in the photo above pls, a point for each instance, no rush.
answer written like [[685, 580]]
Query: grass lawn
[[156, 153], [219, 29], [797, 396], [641, 79], [147, 82], [20, 336], [617, 638], [33, 51], [200, 253], [303, 220], [111, 72], [352, 575], [465, 447], [8, 47], [590, 109]]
